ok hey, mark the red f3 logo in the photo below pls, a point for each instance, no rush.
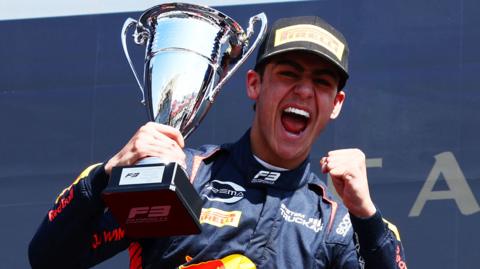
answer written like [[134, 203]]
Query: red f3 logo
[[152, 211]]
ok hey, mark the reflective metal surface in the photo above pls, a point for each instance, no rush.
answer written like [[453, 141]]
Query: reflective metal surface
[[190, 51]]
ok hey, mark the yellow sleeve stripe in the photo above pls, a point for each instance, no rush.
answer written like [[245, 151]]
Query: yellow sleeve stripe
[[392, 228], [82, 175], [86, 172]]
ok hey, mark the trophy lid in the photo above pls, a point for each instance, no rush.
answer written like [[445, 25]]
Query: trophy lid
[[148, 18]]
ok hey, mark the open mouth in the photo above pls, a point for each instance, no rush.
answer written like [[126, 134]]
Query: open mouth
[[295, 120]]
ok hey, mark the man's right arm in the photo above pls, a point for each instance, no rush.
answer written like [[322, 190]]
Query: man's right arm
[[77, 231]]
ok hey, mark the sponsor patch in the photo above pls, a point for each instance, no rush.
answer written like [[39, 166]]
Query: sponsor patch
[[64, 202], [299, 218], [344, 226], [398, 258], [361, 260], [220, 218], [267, 177], [107, 236], [310, 33], [224, 191]]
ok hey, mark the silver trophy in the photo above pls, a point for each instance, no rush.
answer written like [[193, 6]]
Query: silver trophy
[[190, 52]]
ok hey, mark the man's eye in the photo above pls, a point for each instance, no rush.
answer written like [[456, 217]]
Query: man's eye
[[323, 81], [288, 74]]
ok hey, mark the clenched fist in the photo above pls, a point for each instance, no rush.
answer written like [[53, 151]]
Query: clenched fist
[[348, 170], [151, 140]]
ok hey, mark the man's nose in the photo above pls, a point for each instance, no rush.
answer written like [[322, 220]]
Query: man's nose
[[304, 88]]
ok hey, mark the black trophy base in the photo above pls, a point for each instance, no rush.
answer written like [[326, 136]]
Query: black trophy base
[[153, 200]]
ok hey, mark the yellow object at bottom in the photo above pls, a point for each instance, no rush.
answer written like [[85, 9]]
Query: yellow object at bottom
[[234, 261]]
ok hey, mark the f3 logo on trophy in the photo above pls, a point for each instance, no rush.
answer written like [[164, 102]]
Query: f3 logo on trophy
[[147, 214]]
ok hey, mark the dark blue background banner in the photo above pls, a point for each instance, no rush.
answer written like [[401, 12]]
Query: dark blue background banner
[[69, 99]]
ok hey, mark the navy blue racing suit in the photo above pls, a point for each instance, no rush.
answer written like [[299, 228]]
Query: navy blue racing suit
[[267, 219]]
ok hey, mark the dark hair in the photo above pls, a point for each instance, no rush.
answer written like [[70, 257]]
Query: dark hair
[[260, 68]]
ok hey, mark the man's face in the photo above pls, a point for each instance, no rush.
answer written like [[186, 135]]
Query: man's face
[[295, 100]]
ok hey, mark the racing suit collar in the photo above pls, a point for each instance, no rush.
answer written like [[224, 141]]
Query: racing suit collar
[[256, 175]]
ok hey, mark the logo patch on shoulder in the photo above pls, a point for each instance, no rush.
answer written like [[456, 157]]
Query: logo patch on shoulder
[[224, 191], [220, 218]]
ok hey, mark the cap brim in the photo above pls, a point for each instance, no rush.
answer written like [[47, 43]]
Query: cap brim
[[341, 71]]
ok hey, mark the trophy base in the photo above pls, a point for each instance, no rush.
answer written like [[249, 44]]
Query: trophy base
[[153, 200]]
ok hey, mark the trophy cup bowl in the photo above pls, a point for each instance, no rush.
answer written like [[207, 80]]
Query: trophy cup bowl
[[190, 52]]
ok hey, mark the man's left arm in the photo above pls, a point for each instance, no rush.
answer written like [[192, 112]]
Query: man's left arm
[[379, 241]]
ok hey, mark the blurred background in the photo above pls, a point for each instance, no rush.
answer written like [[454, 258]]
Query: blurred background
[[68, 99]]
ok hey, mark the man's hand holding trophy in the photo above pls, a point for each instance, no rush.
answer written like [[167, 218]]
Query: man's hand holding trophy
[[190, 53]]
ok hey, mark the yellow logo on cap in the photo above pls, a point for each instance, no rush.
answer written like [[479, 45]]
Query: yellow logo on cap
[[310, 33]]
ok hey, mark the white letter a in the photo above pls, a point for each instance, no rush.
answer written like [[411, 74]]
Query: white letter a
[[446, 164]]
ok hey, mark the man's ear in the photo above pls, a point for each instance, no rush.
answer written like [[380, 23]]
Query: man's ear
[[253, 84], [337, 106]]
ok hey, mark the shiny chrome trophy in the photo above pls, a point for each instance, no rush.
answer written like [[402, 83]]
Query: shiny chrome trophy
[[191, 51]]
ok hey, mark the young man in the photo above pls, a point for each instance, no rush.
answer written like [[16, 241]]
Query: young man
[[279, 214]]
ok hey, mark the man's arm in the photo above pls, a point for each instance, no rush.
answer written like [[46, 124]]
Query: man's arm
[[375, 244], [378, 242], [77, 232]]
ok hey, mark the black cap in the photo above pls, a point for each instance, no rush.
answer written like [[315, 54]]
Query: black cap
[[310, 34]]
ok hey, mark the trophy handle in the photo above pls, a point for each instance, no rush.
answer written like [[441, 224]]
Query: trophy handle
[[140, 39], [263, 30]]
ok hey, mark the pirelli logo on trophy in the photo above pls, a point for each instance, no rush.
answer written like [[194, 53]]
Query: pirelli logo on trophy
[[191, 51]]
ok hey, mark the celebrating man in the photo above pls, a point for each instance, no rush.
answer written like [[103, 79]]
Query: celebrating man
[[276, 213]]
